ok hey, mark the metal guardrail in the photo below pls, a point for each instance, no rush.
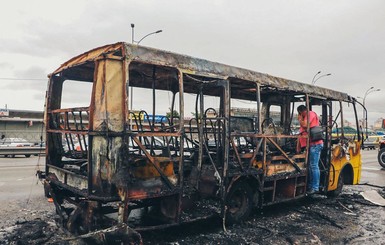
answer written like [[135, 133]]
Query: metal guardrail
[[33, 150]]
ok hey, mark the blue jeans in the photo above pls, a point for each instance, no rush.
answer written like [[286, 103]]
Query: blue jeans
[[314, 173]]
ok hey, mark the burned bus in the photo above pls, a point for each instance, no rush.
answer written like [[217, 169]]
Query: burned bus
[[226, 141]]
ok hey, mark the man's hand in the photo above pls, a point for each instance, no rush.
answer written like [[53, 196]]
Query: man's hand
[[299, 117]]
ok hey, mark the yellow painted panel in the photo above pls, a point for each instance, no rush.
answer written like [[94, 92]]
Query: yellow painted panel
[[109, 96]]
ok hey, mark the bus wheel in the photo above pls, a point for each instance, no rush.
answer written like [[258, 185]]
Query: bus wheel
[[381, 157], [340, 185], [239, 203]]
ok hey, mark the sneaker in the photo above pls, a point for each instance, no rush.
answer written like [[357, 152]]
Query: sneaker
[[311, 192]]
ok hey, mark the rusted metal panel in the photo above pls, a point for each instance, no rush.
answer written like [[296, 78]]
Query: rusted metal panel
[[201, 67], [69, 178], [108, 116], [90, 56], [108, 112], [107, 159]]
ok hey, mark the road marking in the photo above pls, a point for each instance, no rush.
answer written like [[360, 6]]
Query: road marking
[[366, 168]]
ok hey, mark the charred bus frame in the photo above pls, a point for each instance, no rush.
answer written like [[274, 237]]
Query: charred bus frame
[[224, 163]]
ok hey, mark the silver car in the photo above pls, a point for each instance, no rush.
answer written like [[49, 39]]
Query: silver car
[[15, 142]]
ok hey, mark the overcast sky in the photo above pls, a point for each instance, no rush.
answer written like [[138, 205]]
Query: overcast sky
[[291, 39]]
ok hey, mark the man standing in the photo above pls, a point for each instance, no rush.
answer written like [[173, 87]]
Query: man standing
[[315, 147]]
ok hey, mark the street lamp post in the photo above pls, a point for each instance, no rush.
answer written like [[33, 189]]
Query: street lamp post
[[316, 79], [365, 118], [137, 43], [132, 34], [312, 81], [155, 32]]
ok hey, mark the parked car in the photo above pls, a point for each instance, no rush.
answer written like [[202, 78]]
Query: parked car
[[15, 142], [382, 133], [372, 142]]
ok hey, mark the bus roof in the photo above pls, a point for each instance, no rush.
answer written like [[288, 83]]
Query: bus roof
[[199, 67]]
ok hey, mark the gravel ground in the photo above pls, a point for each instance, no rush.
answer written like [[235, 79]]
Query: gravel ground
[[347, 219]]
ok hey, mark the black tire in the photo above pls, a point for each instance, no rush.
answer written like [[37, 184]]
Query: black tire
[[338, 190], [239, 203], [381, 157], [27, 155]]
